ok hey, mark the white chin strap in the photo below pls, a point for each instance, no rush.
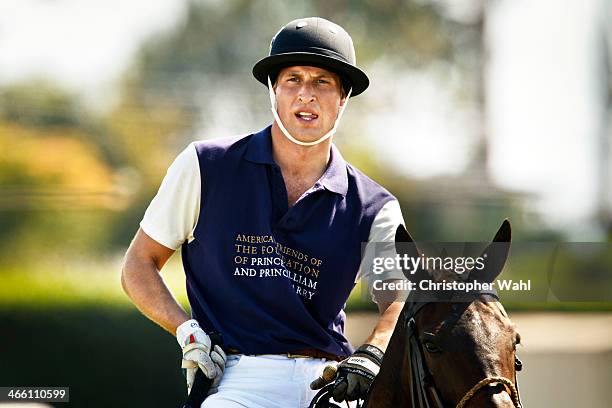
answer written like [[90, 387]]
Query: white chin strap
[[286, 132]]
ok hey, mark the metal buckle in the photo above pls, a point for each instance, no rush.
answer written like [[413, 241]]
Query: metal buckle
[[291, 355]]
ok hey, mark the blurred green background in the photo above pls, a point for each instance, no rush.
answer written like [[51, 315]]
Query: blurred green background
[[75, 179]]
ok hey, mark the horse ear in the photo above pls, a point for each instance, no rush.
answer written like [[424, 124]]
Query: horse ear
[[402, 235], [495, 255], [504, 233], [405, 245]]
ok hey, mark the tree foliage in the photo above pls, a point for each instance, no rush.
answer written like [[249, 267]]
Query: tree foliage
[[191, 82]]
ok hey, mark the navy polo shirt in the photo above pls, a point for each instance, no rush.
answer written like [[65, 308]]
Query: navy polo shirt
[[270, 278]]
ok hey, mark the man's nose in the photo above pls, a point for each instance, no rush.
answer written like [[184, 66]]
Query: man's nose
[[306, 93]]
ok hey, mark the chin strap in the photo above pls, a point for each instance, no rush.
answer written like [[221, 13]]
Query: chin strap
[[286, 132]]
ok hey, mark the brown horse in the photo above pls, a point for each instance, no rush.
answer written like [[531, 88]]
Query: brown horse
[[454, 353], [451, 349]]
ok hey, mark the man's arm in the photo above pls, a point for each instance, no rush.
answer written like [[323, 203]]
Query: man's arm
[[383, 330], [142, 282], [381, 244], [353, 376]]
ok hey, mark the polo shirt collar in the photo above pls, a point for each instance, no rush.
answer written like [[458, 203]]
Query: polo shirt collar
[[335, 178], [259, 149]]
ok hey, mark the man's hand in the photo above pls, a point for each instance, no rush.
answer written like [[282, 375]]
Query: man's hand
[[197, 353], [352, 377]]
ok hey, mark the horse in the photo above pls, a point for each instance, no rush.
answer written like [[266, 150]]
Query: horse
[[450, 349]]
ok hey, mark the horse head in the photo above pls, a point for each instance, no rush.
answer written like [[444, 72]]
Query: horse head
[[450, 348]]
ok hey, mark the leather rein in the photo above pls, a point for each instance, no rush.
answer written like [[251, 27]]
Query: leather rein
[[323, 399]]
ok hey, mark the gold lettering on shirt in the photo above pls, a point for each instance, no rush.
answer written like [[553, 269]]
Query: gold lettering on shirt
[[260, 256]]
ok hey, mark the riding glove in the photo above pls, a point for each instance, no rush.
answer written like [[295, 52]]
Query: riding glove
[[353, 376], [197, 353]]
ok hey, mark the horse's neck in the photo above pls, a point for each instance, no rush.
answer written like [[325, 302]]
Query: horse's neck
[[391, 388]]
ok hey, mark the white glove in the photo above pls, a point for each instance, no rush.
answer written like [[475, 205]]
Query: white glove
[[197, 354]]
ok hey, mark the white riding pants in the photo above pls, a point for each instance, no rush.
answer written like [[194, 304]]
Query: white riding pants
[[266, 381]]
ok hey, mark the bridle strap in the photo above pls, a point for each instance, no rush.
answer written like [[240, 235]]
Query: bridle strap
[[421, 381]]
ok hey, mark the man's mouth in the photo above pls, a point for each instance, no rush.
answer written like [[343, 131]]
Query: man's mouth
[[307, 116]]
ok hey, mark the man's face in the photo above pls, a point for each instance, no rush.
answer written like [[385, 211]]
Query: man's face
[[308, 100]]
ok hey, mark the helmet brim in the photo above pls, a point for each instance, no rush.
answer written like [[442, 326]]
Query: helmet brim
[[358, 79]]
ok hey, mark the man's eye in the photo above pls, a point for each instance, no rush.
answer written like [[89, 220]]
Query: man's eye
[[323, 81], [293, 79]]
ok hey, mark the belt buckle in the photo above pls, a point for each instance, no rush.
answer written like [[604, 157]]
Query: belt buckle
[[291, 355]]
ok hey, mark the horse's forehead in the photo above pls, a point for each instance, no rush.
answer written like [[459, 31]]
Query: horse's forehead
[[486, 316], [440, 275], [481, 315]]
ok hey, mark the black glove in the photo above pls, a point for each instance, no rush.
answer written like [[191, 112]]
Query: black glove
[[352, 377]]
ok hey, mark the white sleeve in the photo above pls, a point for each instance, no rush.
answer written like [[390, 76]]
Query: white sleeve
[[173, 213], [381, 244]]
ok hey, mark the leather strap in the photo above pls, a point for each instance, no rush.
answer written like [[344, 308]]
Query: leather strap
[[303, 353], [315, 353], [421, 385]]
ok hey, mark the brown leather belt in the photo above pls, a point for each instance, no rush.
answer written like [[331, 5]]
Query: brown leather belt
[[304, 353]]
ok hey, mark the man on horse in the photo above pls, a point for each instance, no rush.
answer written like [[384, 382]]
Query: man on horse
[[271, 227]]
